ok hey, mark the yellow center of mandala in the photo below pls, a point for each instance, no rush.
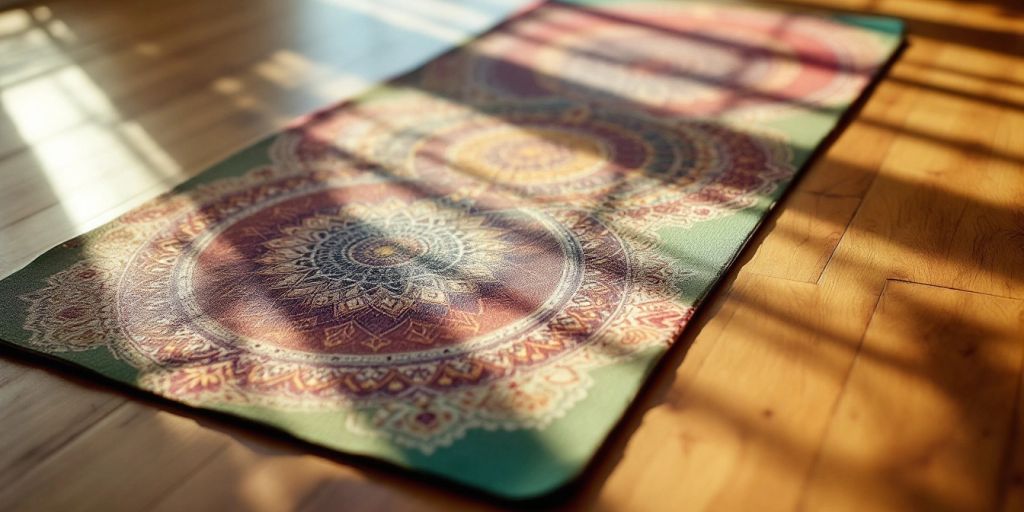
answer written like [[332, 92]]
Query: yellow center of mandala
[[529, 155], [385, 251]]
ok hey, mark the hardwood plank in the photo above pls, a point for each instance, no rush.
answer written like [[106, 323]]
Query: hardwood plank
[[802, 237], [100, 169], [933, 162], [924, 419], [739, 432], [279, 476], [45, 38], [924, 218], [990, 234], [846, 169], [42, 414], [245, 477], [128, 460], [256, 476], [10, 372], [1011, 482], [86, 93]]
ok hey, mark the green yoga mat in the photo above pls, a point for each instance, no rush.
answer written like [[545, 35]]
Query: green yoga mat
[[470, 270]]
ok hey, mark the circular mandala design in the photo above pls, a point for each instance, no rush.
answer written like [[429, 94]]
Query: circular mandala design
[[416, 314], [698, 61], [530, 154], [368, 287], [552, 152], [460, 250]]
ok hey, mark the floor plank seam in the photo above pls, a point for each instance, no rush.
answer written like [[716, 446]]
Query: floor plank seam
[[953, 288], [780, 278], [830, 195], [834, 406], [850, 221]]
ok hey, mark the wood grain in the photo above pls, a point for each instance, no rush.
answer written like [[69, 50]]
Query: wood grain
[[126, 460], [924, 418], [750, 417], [864, 353]]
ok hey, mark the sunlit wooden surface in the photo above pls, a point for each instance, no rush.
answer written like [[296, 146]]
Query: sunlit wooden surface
[[864, 354]]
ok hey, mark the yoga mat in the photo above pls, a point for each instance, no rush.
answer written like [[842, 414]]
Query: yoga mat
[[470, 270]]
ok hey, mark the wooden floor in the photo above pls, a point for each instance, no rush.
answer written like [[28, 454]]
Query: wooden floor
[[865, 353]]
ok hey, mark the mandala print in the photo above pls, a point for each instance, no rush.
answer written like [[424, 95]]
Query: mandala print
[[462, 250], [645, 170], [698, 61], [421, 315]]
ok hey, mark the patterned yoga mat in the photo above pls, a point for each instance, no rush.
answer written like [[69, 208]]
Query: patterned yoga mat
[[470, 270]]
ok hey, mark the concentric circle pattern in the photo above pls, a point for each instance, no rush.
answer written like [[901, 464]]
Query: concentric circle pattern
[[347, 290], [691, 60], [352, 275], [551, 152], [467, 247]]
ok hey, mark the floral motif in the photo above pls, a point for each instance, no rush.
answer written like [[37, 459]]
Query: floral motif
[[648, 171], [738, 64], [419, 315], [386, 259], [461, 249]]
